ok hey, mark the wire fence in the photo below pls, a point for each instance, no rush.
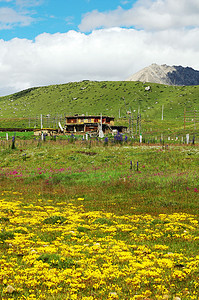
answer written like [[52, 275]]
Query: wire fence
[[38, 121], [136, 128]]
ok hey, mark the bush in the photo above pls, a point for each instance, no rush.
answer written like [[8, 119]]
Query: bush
[[55, 261], [55, 220]]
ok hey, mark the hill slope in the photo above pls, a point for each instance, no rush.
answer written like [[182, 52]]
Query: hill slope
[[108, 98], [175, 75]]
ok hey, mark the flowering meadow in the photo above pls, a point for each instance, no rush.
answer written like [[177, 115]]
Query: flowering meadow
[[83, 221]]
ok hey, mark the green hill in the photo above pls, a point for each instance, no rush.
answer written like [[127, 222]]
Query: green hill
[[111, 98]]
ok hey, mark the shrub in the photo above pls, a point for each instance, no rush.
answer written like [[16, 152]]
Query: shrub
[[55, 261], [55, 220]]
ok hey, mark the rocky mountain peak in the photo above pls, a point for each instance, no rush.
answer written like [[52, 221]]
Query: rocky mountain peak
[[169, 75]]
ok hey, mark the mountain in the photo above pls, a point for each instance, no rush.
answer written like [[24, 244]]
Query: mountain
[[169, 75]]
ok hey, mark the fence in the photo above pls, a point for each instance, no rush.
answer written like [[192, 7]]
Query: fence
[[47, 121]]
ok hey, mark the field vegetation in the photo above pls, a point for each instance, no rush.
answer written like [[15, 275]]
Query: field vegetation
[[100, 219], [113, 98], [97, 219]]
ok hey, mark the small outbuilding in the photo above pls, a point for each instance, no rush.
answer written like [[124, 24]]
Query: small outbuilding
[[45, 131]]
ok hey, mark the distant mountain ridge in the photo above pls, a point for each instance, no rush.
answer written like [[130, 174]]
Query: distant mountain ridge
[[169, 75]]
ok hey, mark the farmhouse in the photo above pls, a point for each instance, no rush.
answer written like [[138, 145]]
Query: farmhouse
[[91, 124]]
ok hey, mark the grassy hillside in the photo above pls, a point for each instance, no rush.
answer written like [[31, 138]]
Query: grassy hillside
[[109, 98]]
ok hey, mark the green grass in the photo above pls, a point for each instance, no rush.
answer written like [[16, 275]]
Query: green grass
[[77, 222], [19, 135], [108, 98], [165, 176]]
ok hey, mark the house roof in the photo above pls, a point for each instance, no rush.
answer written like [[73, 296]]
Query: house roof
[[88, 117]]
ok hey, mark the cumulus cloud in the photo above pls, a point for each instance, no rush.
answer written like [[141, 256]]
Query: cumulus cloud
[[17, 15], [108, 54], [146, 14], [9, 18]]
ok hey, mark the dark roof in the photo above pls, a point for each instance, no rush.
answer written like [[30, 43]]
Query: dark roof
[[86, 117]]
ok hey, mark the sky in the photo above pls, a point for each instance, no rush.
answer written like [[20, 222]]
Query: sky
[[45, 42]]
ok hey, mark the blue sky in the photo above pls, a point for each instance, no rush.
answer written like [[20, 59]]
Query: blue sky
[[45, 42], [33, 17]]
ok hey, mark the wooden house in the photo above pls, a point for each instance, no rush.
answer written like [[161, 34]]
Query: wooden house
[[81, 123], [91, 124]]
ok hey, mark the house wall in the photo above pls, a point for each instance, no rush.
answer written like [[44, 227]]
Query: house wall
[[92, 119]]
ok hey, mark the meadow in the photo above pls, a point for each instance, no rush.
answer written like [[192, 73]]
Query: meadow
[[96, 220], [113, 98]]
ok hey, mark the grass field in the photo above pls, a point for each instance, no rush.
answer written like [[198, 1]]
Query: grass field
[[95, 220], [113, 98]]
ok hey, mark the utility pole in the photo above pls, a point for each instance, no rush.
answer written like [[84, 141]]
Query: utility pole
[[130, 123], [139, 123], [194, 119], [184, 117], [162, 112], [136, 125]]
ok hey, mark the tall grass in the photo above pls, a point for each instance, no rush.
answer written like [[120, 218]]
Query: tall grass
[[165, 176], [91, 221]]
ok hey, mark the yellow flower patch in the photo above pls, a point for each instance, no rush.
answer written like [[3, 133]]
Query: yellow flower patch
[[63, 252]]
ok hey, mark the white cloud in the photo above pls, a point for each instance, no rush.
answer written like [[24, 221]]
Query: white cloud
[[28, 3], [146, 14], [108, 54], [69, 20], [124, 2], [24, 3], [10, 18]]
